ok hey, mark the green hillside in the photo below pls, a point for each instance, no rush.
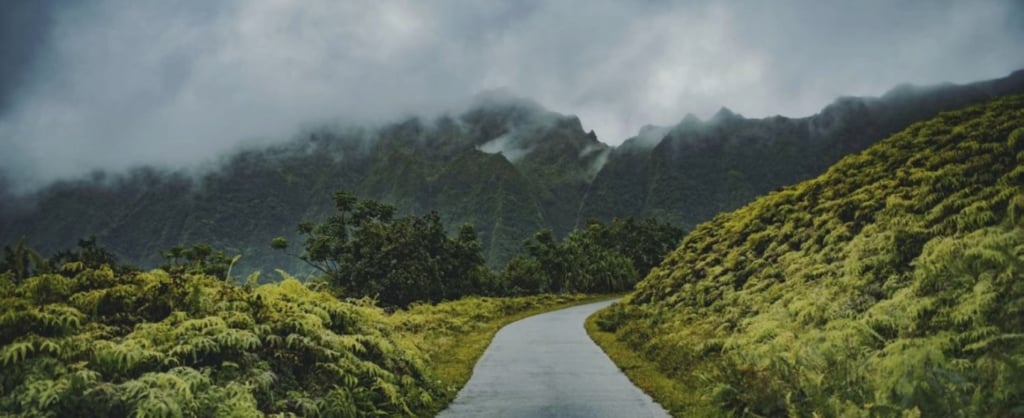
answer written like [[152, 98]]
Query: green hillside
[[507, 166], [892, 285], [256, 195]]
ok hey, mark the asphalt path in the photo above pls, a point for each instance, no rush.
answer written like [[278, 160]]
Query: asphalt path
[[547, 366]]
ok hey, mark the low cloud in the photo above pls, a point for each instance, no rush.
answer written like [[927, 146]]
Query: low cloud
[[506, 145], [117, 83]]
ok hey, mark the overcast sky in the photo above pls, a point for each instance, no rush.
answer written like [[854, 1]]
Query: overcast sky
[[113, 83]]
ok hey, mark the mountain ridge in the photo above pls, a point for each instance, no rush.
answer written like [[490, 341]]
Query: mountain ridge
[[509, 167], [734, 152]]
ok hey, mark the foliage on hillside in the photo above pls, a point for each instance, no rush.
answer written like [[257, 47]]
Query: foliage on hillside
[[156, 344], [508, 167], [256, 195], [892, 285], [702, 168], [100, 341]]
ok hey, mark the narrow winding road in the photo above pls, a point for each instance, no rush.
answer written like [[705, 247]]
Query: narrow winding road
[[547, 366]]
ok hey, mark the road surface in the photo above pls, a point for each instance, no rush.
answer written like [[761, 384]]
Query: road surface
[[547, 366]]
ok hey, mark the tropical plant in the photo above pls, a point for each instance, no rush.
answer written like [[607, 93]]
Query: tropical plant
[[22, 262]]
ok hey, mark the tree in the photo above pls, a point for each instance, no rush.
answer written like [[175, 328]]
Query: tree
[[597, 258], [364, 250], [22, 261], [200, 258], [554, 262], [644, 242], [90, 254], [524, 276]]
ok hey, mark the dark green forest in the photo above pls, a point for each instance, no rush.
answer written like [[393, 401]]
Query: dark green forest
[[507, 167], [891, 285]]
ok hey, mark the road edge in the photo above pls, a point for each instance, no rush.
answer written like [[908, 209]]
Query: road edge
[[474, 346], [644, 374]]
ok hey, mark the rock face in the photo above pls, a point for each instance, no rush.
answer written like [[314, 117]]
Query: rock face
[[507, 166]]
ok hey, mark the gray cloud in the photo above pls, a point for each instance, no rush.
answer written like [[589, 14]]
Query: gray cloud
[[115, 83], [23, 28]]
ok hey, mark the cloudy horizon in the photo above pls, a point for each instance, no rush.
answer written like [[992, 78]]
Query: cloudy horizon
[[116, 83]]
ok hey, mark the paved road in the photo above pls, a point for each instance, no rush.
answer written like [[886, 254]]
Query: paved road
[[547, 366]]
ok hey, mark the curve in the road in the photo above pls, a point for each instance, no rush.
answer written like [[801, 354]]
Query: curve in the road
[[547, 366]]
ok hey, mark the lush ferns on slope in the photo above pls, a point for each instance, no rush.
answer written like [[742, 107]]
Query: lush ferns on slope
[[892, 285], [154, 344], [98, 342]]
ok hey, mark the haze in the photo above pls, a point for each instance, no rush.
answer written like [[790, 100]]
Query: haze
[[109, 84]]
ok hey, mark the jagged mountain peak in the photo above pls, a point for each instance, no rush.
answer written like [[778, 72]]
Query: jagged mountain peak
[[648, 137], [724, 115], [561, 176], [690, 119], [501, 106]]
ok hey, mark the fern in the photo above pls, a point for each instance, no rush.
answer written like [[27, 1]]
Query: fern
[[17, 352]]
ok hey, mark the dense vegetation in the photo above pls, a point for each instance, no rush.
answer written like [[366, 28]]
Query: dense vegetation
[[892, 285], [507, 167], [364, 250], [87, 339], [80, 332], [599, 258], [156, 344]]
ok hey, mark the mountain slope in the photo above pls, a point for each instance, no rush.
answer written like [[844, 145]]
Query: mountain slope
[[507, 165], [256, 195], [893, 284], [698, 169]]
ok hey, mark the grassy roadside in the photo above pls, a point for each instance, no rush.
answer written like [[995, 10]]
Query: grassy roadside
[[454, 335], [667, 392]]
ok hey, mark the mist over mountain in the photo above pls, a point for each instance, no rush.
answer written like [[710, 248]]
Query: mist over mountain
[[506, 165], [334, 208], [700, 168], [417, 165], [115, 84]]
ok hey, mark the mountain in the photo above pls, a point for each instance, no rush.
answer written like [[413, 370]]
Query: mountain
[[689, 172], [506, 165], [891, 285]]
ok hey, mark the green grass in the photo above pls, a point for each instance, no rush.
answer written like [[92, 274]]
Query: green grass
[[672, 395]]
